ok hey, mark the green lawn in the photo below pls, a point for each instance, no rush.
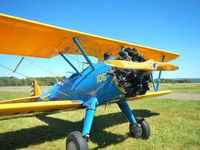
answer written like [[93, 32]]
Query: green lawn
[[175, 124], [180, 87]]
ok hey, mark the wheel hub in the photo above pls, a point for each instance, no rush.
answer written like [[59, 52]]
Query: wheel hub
[[87, 137], [137, 130], [71, 146]]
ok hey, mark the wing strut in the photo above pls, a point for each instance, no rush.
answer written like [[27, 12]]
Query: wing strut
[[18, 64], [159, 76], [69, 63], [83, 52]]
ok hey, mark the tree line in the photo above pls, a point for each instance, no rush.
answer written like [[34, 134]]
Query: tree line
[[43, 81], [173, 81], [48, 81]]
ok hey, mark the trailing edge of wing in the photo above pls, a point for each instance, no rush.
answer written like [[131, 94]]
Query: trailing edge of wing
[[151, 94], [28, 38], [33, 107]]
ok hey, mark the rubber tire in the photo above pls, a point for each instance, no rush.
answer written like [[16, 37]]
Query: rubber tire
[[78, 139], [146, 131]]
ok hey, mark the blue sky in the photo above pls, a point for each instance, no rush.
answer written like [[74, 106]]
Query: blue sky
[[172, 25]]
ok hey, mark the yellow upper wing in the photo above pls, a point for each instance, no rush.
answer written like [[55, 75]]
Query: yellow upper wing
[[28, 38]]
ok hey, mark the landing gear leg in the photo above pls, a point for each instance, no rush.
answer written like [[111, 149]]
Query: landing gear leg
[[139, 128], [77, 140]]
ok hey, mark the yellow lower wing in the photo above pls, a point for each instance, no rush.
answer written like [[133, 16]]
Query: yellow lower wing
[[151, 94], [33, 107]]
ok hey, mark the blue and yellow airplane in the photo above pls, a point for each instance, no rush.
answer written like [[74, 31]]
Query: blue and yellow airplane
[[122, 73]]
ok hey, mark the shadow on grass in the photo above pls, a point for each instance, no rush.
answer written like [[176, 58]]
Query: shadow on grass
[[58, 129]]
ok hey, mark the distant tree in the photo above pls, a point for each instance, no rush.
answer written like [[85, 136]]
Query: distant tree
[[12, 81]]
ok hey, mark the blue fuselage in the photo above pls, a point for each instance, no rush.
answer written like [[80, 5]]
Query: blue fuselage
[[91, 83]]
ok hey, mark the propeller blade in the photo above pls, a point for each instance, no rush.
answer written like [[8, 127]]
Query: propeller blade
[[149, 65], [165, 67]]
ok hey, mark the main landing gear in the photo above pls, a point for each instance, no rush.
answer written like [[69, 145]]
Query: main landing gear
[[77, 140], [139, 128]]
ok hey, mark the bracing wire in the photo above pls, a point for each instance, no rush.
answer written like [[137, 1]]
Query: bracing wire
[[78, 62], [4, 73], [12, 70], [73, 58], [42, 68], [76, 47]]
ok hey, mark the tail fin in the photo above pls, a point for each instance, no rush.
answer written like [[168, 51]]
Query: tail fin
[[35, 90]]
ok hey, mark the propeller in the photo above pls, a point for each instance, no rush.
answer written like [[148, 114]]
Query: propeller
[[131, 72], [149, 65]]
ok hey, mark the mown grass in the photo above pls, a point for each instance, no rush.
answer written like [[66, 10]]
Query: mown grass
[[175, 124], [180, 87]]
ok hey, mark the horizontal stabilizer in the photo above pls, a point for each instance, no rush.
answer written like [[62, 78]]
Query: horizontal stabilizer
[[149, 65], [151, 94], [33, 107], [20, 100]]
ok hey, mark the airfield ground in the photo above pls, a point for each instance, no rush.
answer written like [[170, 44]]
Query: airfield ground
[[174, 121], [182, 96]]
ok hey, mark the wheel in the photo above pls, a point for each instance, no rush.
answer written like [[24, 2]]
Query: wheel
[[76, 141], [141, 129]]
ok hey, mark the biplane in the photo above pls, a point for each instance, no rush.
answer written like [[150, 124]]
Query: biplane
[[123, 73]]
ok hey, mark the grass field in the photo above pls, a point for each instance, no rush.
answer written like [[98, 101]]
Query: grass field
[[175, 124], [180, 87]]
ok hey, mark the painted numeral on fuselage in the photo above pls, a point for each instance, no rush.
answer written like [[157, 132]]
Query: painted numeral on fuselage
[[101, 78]]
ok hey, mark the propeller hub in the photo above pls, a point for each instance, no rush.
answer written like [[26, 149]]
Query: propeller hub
[[153, 65]]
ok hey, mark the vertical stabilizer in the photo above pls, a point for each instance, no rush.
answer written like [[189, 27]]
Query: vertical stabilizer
[[35, 90]]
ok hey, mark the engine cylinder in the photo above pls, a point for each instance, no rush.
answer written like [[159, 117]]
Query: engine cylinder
[[131, 82]]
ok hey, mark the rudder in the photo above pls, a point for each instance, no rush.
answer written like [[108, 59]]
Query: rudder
[[35, 90]]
